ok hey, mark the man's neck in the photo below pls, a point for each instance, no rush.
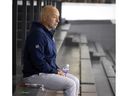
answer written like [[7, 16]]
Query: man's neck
[[49, 29]]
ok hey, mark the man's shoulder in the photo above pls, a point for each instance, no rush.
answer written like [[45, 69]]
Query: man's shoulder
[[38, 32]]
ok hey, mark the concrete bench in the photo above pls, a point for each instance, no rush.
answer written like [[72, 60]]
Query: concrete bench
[[64, 27], [76, 38], [100, 51], [87, 76], [84, 51], [113, 59], [26, 89], [73, 38], [88, 88], [112, 55], [83, 39], [112, 84], [60, 35], [96, 49], [92, 47], [59, 39], [107, 67], [109, 72], [93, 52], [89, 94], [52, 93]]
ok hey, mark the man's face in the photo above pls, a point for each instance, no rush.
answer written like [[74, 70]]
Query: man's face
[[53, 19]]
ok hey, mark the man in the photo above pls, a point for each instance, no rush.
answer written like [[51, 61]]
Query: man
[[39, 57]]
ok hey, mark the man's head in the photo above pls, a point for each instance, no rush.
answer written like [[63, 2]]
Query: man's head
[[50, 17]]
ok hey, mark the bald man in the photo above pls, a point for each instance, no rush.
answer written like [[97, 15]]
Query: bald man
[[39, 56]]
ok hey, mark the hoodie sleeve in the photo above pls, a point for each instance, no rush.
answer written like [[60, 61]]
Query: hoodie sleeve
[[36, 50]]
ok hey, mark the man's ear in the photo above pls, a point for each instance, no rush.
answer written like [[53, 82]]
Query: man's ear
[[45, 18]]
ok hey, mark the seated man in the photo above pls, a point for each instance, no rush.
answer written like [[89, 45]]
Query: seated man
[[39, 56]]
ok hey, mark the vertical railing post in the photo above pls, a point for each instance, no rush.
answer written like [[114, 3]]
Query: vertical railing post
[[38, 9], [48, 2], [14, 46], [31, 14], [24, 21], [45, 2], [54, 2], [59, 7]]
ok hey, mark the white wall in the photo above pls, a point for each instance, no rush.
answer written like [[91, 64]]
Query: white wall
[[88, 11]]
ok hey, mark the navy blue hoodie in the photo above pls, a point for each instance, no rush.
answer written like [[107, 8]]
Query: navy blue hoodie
[[39, 54]]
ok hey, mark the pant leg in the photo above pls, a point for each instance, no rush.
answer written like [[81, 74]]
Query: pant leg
[[74, 78], [54, 82]]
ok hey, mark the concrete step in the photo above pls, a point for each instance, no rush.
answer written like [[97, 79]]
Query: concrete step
[[59, 39], [103, 87], [84, 51], [96, 50], [76, 38], [87, 76], [89, 94], [107, 67], [88, 88], [83, 39], [53, 93], [100, 49], [64, 27], [70, 55], [112, 84]]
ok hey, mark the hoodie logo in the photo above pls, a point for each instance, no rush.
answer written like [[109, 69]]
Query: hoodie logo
[[37, 46], [53, 39]]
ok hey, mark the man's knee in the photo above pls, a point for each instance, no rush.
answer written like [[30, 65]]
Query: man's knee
[[78, 81], [70, 83]]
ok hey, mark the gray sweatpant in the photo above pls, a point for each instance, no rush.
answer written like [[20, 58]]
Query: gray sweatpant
[[69, 83]]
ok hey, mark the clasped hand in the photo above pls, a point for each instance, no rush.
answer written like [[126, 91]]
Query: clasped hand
[[60, 72]]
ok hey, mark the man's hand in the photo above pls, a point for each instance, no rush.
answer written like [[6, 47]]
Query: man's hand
[[60, 72]]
